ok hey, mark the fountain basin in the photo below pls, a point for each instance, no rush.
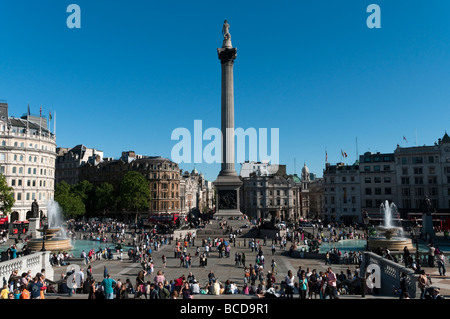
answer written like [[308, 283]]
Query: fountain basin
[[54, 244], [394, 244]]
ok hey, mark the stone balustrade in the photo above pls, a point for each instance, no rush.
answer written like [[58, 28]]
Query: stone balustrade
[[35, 262]]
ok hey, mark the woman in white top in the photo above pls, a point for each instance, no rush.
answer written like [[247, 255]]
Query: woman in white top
[[289, 279]]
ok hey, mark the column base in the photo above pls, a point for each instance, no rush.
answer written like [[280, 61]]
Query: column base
[[227, 196]]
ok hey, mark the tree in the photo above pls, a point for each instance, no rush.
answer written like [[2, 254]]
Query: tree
[[70, 202], [85, 190], [104, 198], [6, 196], [134, 192]]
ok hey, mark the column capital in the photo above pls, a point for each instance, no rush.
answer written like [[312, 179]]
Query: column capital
[[227, 55]]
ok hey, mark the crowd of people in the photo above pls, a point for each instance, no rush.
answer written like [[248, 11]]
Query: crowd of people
[[260, 278]]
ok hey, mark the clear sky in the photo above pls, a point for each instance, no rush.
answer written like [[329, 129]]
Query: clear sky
[[137, 70]]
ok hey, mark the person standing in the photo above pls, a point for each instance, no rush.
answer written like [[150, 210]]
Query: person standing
[[289, 280], [303, 286], [35, 288], [105, 272], [108, 287], [332, 284], [403, 285], [441, 263], [79, 280], [92, 289], [431, 251], [422, 284]]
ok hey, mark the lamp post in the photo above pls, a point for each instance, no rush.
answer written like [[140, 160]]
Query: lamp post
[[366, 220], [44, 222], [416, 231]]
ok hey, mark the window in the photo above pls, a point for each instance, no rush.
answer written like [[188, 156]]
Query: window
[[430, 159], [418, 180], [432, 170], [377, 191], [419, 192], [387, 179], [404, 170], [368, 191], [388, 191], [377, 179], [404, 160], [418, 170], [406, 192], [366, 168], [417, 160], [367, 180], [368, 203], [376, 168], [387, 167], [432, 180], [405, 180]]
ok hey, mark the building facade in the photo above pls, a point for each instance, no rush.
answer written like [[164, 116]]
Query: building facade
[[342, 192], [378, 182], [266, 195], [163, 176], [404, 177], [27, 160], [423, 171], [69, 160], [195, 192]]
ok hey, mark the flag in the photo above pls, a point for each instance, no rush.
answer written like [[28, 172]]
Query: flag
[[49, 115], [326, 156], [40, 111], [405, 139], [343, 153]]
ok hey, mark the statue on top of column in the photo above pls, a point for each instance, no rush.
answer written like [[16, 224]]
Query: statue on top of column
[[226, 30], [226, 35]]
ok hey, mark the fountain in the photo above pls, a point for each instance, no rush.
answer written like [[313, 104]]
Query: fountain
[[54, 237], [388, 235]]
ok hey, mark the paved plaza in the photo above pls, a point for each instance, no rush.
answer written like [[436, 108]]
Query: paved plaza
[[223, 268]]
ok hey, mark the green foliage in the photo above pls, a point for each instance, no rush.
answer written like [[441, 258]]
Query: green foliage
[[69, 200], [105, 198], [134, 192], [6, 196]]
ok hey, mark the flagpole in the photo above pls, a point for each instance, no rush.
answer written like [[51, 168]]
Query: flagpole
[[40, 124], [54, 124]]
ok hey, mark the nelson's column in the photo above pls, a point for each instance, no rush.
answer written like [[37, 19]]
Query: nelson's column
[[228, 182]]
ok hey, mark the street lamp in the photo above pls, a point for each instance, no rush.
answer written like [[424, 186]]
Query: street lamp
[[366, 220], [44, 222], [416, 232]]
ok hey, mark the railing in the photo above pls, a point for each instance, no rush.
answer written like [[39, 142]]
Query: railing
[[390, 272], [34, 262]]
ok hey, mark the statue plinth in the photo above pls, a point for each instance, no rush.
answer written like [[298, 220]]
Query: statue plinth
[[33, 227], [427, 225]]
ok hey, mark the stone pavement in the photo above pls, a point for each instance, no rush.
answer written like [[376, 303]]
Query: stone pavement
[[224, 268]]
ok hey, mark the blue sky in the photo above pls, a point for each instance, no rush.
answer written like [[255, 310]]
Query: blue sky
[[137, 70]]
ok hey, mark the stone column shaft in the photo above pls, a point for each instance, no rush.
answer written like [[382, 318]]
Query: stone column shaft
[[227, 56]]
